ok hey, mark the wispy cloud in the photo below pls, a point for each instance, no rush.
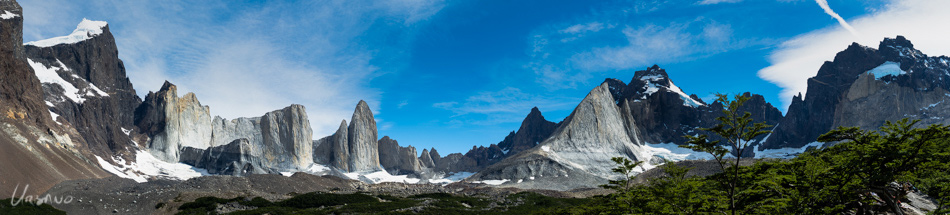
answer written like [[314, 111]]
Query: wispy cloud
[[244, 59], [583, 28], [505, 105], [799, 58], [718, 1], [560, 63], [844, 24]]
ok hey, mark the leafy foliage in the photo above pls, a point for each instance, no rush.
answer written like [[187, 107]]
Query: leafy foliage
[[865, 172], [738, 131]]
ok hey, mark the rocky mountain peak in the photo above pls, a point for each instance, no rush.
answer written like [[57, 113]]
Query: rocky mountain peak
[[534, 129], [11, 29], [362, 140], [653, 74], [168, 86], [897, 42], [898, 47], [87, 29]]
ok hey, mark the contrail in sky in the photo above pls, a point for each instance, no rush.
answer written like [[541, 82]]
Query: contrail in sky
[[824, 5]]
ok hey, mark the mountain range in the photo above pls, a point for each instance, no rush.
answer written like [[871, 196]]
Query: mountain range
[[70, 112]]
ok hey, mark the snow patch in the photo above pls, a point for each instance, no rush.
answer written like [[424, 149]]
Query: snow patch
[[147, 166], [652, 87], [673, 152], [687, 101], [315, 168], [784, 153], [380, 177], [8, 15], [652, 78], [48, 75], [85, 30], [54, 116], [451, 178], [491, 182], [887, 68]]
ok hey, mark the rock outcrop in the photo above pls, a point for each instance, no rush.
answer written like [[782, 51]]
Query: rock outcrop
[[182, 130], [287, 137], [238, 158], [364, 155], [865, 87], [398, 160], [353, 148], [182, 122], [534, 129]]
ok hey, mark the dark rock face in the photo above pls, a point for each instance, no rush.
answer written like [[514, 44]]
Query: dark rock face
[[665, 114], [108, 101], [534, 129], [238, 158], [34, 149], [398, 160], [844, 93]]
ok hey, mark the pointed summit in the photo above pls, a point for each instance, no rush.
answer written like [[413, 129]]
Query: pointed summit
[[86, 29], [362, 140], [899, 47], [652, 74], [534, 129]]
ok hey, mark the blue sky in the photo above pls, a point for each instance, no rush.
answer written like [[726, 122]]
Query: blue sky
[[453, 74]]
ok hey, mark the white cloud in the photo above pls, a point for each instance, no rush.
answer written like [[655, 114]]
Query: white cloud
[[561, 63], [718, 1], [844, 24], [798, 59], [248, 62], [583, 28]]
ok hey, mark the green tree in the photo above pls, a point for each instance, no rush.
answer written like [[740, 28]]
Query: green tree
[[870, 161], [738, 131], [624, 197]]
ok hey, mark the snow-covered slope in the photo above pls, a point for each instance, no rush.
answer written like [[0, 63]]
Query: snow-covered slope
[[87, 29]]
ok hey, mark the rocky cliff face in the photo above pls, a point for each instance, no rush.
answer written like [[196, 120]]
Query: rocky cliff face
[[865, 87], [34, 149], [364, 155], [183, 122], [534, 129], [353, 148], [85, 83], [398, 160], [288, 138], [580, 148], [663, 113], [181, 129]]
